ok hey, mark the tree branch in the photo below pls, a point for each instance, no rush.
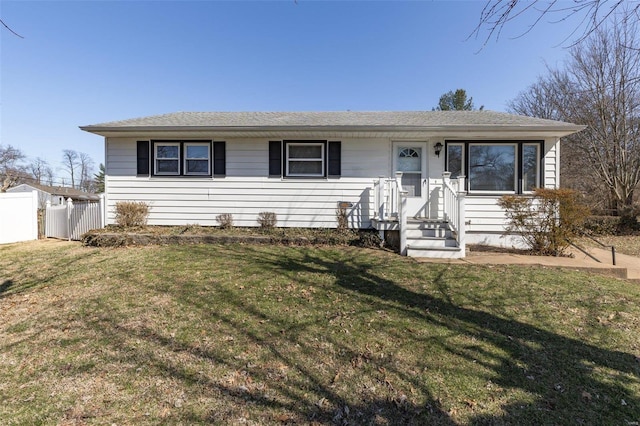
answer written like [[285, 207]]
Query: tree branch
[[7, 27]]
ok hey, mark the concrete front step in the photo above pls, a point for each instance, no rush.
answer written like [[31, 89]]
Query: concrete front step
[[431, 238], [429, 233], [427, 224], [426, 238], [435, 253], [431, 242]]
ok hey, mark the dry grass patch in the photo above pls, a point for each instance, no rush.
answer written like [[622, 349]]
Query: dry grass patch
[[273, 335], [626, 244]]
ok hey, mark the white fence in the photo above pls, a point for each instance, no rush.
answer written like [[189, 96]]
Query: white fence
[[70, 220], [18, 217]]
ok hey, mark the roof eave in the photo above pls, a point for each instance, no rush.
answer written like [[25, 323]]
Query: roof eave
[[559, 131]]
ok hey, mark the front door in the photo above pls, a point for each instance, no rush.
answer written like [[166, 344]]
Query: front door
[[410, 158]]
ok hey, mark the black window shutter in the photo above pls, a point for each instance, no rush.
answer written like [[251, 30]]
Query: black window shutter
[[143, 158], [275, 159], [219, 159], [335, 158]]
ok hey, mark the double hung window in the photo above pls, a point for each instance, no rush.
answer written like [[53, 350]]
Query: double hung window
[[305, 159], [167, 158], [197, 159], [177, 158]]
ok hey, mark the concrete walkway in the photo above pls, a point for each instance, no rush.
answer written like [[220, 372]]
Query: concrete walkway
[[597, 260]]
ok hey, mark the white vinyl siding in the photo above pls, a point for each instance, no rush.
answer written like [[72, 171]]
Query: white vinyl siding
[[551, 164], [307, 203], [246, 189]]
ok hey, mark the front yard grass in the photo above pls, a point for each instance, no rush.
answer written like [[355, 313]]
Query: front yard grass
[[248, 334]]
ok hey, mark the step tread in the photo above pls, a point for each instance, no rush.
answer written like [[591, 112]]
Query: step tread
[[430, 238], [433, 248]]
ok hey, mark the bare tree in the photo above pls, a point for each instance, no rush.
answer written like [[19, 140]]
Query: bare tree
[[70, 164], [40, 170], [48, 176], [11, 169], [599, 87], [86, 171], [592, 13]]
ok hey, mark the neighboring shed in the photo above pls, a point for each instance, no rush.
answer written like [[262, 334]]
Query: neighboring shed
[[55, 194]]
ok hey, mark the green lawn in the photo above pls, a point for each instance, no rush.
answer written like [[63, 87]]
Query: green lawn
[[243, 334]]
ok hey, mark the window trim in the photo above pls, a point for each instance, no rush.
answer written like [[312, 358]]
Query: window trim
[[462, 157], [186, 146], [182, 158], [539, 165], [323, 158], [156, 158], [519, 163]]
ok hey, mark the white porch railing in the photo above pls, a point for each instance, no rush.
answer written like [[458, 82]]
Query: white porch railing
[[390, 204], [386, 191], [453, 206], [390, 201]]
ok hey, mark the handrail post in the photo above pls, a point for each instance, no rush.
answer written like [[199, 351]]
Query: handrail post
[[398, 186], [446, 180], [402, 213], [402, 221], [381, 203], [462, 194]]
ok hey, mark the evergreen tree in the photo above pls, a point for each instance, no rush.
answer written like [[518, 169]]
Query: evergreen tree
[[455, 101], [98, 179]]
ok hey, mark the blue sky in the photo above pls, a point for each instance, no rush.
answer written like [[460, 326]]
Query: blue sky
[[87, 62]]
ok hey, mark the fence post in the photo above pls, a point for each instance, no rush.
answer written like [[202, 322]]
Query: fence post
[[35, 223], [103, 211], [47, 219], [69, 208]]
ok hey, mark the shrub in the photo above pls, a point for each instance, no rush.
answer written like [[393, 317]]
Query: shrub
[[267, 220], [602, 225], [131, 213], [629, 220], [626, 223], [225, 220], [369, 239], [547, 220], [341, 218]]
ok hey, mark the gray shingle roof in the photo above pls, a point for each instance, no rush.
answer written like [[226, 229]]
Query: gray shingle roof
[[332, 120], [64, 191]]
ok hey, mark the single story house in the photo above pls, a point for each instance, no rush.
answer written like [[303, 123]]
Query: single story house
[[54, 194], [434, 177]]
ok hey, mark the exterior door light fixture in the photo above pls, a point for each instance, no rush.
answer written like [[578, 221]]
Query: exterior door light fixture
[[438, 148]]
